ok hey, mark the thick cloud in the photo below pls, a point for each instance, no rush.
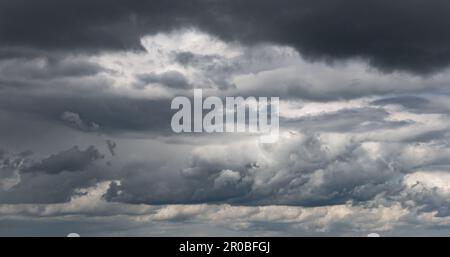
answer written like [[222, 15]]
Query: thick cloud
[[52, 179], [403, 34], [300, 171], [360, 149], [71, 160], [89, 214]]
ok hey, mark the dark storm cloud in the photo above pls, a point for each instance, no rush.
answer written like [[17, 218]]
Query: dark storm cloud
[[52, 88], [150, 184], [403, 34], [71, 160], [51, 179], [47, 188], [66, 24], [315, 177]]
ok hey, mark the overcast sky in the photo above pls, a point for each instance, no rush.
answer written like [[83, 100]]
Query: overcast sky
[[85, 138]]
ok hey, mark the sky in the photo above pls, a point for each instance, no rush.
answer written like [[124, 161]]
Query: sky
[[86, 144]]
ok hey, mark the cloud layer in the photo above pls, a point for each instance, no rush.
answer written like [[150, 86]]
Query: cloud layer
[[85, 136]]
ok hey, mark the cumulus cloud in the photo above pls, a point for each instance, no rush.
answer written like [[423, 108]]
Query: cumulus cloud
[[300, 170], [51, 179], [228, 219]]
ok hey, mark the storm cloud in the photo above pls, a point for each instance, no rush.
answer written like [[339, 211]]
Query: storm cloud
[[406, 35], [86, 143]]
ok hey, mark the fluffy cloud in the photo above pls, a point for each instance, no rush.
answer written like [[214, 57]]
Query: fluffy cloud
[[346, 219]]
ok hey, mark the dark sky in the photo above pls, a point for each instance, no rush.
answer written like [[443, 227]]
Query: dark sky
[[408, 35], [85, 138]]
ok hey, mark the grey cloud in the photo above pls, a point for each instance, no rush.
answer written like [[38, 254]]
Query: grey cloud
[[150, 182], [429, 136], [391, 35], [10, 165], [221, 69], [43, 188], [111, 146], [71, 160], [188, 58], [431, 102], [290, 180], [106, 112], [425, 199], [355, 158], [54, 179], [216, 68], [172, 79], [45, 68], [355, 120], [410, 102], [74, 120]]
